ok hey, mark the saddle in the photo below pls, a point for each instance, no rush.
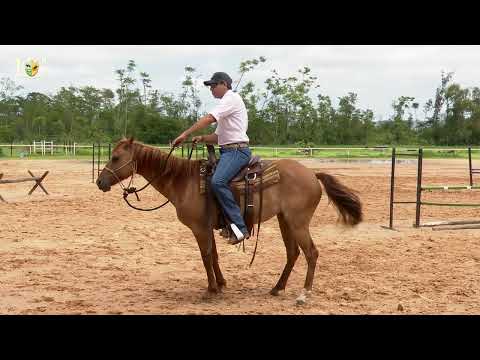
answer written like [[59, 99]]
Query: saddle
[[246, 182]]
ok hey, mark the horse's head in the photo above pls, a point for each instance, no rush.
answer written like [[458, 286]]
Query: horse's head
[[119, 167]]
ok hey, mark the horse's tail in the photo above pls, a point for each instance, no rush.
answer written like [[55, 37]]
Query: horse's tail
[[345, 200]]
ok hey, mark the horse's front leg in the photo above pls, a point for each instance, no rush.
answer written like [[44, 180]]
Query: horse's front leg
[[221, 282], [205, 243]]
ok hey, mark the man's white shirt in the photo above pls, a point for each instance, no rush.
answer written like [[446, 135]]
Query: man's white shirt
[[232, 119]]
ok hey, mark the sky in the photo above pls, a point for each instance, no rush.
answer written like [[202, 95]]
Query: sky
[[378, 74]]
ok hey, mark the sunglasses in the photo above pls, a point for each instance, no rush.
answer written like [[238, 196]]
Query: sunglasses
[[214, 85]]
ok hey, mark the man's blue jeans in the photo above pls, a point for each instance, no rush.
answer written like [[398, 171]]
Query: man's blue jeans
[[231, 162]]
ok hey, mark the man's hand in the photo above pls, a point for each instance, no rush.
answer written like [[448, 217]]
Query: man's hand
[[180, 139], [200, 124], [197, 139]]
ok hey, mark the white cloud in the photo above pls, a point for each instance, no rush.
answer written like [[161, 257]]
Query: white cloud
[[377, 73]]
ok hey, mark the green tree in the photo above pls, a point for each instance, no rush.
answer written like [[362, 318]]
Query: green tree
[[146, 82], [190, 97]]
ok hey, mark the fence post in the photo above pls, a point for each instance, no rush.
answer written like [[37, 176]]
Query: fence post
[[392, 187], [419, 187], [109, 151], [98, 159], [93, 162], [11, 150], [470, 164]]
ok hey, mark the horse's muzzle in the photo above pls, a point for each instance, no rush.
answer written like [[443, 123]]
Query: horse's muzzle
[[103, 185]]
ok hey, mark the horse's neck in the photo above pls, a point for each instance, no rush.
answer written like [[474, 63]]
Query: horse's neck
[[164, 182]]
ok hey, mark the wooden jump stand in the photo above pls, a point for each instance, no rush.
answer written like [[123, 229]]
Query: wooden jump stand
[[437, 225], [38, 181]]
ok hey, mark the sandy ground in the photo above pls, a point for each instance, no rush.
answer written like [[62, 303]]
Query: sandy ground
[[81, 251]]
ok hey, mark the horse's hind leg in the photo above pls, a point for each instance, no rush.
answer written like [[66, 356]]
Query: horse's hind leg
[[304, 239], [292, 255]]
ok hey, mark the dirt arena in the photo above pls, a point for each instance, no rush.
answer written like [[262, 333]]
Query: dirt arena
[[82, 251]]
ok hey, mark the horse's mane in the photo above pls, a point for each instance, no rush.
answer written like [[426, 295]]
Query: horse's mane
[[153, 159]]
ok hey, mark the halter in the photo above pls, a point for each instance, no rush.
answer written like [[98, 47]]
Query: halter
[[132, 190], [134, 170]]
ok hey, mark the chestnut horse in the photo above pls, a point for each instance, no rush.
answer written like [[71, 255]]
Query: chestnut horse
[[293, 200]]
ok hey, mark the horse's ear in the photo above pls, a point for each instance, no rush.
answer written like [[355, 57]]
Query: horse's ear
[[130, 140]]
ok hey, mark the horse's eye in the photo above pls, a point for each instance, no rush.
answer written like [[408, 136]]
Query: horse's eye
[[115, 158]]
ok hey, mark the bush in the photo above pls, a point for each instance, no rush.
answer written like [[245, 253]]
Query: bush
[[304, 144]]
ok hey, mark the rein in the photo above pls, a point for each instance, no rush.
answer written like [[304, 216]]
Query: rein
[[132, 190]]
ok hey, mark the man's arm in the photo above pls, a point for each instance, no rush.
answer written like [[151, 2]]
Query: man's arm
[[207, 139], [200, 124]]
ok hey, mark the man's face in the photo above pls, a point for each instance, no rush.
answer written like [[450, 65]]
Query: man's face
[[218, 90]]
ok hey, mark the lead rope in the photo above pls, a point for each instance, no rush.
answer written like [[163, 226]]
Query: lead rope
[[259, 218]]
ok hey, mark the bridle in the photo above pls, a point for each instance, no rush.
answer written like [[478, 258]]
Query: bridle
[[132, 190], [134, 170]]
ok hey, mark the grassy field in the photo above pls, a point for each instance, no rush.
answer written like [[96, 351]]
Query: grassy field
[[325, 152]]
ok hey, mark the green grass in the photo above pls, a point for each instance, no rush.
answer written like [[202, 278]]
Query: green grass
[[19, 153], [332, 152]]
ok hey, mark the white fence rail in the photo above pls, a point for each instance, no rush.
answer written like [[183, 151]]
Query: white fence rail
[[44, 148], [48, 148]]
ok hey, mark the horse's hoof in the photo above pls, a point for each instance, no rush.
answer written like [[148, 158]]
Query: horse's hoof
[[212, 290], [277, 292], [302, 299], [210, 293]]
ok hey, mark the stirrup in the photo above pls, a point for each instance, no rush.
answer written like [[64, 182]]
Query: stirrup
[[236, 231], [237, 235], [233, 240], [224, 232]]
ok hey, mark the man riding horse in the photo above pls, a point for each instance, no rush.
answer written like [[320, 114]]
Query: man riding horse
[[293, 199], [231, 135]]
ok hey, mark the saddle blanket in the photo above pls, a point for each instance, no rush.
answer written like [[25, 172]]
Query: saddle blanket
[[270, 175]]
